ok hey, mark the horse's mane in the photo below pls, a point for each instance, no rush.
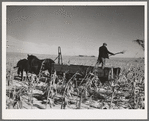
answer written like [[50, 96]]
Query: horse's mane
[[46, 60], [33, 56]]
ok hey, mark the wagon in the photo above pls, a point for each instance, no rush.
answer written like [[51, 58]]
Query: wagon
[[108, 73]]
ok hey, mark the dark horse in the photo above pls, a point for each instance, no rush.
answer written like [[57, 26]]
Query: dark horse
[[36, 65], [22, 65]]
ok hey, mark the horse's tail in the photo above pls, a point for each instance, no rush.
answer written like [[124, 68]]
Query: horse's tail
[[15, 67]]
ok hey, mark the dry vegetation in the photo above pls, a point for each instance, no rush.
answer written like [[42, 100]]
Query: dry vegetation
[[55, 92]]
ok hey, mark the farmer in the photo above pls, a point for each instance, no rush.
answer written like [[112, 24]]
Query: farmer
[[103, 54]]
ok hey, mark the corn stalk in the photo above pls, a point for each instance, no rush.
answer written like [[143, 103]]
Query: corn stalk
[[140, 42], [66, 88]]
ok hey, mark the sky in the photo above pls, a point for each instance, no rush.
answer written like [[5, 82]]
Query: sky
[[78, 30]]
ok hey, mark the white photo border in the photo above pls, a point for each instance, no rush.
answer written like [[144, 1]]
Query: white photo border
[[70, 114]]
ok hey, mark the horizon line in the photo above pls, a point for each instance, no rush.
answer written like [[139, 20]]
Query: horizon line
[[69, 55]]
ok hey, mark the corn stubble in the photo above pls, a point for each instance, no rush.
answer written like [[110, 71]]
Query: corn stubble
[[123, 92]]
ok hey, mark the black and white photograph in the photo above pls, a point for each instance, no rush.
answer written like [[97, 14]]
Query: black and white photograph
[[74, 60]]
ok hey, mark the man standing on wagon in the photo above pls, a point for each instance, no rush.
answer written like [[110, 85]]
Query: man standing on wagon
[[103, 54]]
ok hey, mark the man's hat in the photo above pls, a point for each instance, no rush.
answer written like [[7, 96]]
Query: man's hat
[[104, 43]]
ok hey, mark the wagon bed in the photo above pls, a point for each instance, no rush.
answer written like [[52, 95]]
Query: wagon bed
[[107, 72]]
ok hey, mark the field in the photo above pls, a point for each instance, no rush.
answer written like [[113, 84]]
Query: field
[[124, 92]]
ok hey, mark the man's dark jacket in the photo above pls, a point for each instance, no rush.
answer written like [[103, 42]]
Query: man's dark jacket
[[103, 52]]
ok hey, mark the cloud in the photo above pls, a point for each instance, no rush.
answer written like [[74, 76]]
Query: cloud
[[29, 47]]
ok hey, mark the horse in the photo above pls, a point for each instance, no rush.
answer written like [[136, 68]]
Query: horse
[[22, 65], [36, 65]]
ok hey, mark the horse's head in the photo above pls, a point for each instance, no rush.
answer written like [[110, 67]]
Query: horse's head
[[31, 60], [48, 64], [30, 57]]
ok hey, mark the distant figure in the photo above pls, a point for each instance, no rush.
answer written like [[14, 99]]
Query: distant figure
[[103, 54]]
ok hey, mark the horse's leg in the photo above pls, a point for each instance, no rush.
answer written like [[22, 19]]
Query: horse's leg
[[18, 72], [27, 78], [49, 70], [21, 74]]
